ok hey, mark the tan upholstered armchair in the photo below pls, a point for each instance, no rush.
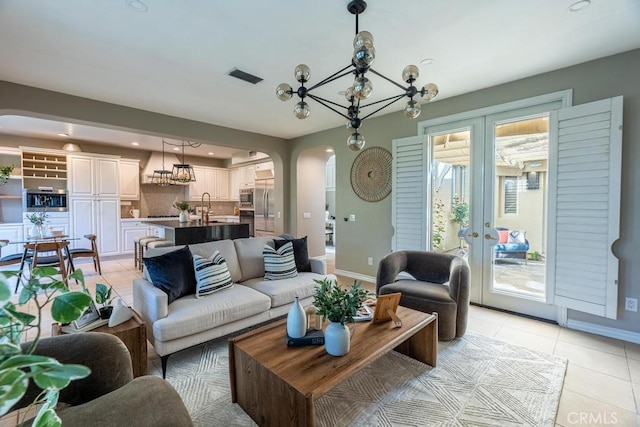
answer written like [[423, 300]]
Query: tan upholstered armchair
[[109, 396], [439, 282]]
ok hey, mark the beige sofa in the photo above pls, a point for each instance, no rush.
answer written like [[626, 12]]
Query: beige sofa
[[189, 321]]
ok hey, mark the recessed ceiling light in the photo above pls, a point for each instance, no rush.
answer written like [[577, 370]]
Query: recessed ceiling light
[[210, 153], [64, 134], [176, 148], [329, 150], [427, 61], [137, 5], [579, 5], [135, 143]]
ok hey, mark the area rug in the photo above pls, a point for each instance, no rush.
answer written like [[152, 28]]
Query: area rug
[[478, 381]]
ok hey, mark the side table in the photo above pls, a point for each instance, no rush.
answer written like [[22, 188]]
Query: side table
[[132, 333]]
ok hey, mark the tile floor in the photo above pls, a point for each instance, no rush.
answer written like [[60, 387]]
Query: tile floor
[[601, 386]]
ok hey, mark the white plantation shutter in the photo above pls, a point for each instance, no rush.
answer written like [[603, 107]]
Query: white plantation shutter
[[584, 206], [409, 211]]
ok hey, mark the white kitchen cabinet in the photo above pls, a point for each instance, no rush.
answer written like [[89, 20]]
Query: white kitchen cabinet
[[220, 185], [99, 216], [198, 188], [12, 233], [247, 176], [94, 201], [93, 176], [130, 230], [214, 181], [129, 179], [234, 184], [264, 166]]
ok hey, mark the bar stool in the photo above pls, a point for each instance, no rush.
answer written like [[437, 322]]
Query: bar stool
[[160, 243], [139, 244]]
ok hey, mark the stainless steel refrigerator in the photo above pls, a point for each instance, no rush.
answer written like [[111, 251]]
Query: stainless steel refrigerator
[[264, 214]]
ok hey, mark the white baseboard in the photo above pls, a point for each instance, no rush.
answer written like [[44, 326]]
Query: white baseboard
[[606, 331], [356, 276]]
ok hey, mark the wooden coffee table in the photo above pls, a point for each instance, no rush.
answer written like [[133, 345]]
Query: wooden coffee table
[[278, 385]]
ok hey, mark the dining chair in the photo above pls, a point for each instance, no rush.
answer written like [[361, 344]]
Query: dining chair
[[42, 256], [88, 252], [8, 259]]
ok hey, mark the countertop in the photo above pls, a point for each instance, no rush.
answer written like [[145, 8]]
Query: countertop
[[190, 224]]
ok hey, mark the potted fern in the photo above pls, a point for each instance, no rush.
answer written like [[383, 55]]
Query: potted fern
[[339, 306], [18, 364]]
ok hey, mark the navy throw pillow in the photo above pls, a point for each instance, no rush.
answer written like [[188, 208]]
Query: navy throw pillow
[[173, 273], [300, 252]]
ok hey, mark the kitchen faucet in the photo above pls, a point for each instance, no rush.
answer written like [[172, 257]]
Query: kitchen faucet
[[205, 215]]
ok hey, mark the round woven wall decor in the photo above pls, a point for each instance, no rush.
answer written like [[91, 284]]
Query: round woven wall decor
[[371, 174]]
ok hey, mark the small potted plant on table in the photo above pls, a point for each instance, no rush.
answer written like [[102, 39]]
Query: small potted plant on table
[[183, 207], [103, 296], [37, 219], [339, 306]]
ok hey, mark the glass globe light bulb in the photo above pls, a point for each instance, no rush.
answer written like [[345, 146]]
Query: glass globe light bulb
[[362, 87], [302, 110], [364, 56], [363, 38], [412, 109], [302, 73], [410, 72], [284, 92], [355, 141], [429, 92], [348, 94]]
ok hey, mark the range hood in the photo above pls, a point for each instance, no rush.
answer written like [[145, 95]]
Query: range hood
[[155, 163]]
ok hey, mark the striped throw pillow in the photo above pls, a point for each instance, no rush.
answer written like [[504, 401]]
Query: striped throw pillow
[[212, 274], [279, 264]]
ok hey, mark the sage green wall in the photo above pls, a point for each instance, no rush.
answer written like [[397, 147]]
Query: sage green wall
[[29, 101], [371, 234]]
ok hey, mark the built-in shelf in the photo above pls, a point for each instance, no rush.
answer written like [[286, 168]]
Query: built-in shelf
[[44, 165]]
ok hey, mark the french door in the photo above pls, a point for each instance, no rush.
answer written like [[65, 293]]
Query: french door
[[528, 192], [488, 203]]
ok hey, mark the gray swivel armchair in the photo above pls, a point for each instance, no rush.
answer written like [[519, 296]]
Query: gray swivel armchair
[[109, 396], [440, 283]]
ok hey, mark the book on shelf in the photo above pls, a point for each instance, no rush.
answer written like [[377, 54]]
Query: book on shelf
[[312, 337], [71, 328]]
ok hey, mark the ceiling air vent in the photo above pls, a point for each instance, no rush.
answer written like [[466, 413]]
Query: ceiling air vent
[[250, 78]]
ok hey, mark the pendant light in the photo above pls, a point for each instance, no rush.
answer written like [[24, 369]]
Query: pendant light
[[183, 172], [162, 177]]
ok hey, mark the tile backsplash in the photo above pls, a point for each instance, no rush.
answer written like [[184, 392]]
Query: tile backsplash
[[156, 200]]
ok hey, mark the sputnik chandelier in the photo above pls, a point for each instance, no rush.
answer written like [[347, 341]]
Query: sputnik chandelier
[[363, 56]]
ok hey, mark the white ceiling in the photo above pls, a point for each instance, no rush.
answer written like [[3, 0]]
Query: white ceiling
[[173, 59]]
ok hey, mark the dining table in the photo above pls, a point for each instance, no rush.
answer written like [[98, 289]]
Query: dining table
[[43, 239]]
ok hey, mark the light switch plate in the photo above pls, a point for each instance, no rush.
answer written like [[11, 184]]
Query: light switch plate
[[306, 215], [352, 217]]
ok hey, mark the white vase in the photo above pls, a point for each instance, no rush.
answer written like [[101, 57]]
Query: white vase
[[337, 339], [184, 216], [296, 320]]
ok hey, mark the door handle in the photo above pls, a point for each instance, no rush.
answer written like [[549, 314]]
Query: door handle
[[488, 237], [474, 234]]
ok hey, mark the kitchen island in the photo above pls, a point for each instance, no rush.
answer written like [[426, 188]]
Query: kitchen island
[[186, 233]]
